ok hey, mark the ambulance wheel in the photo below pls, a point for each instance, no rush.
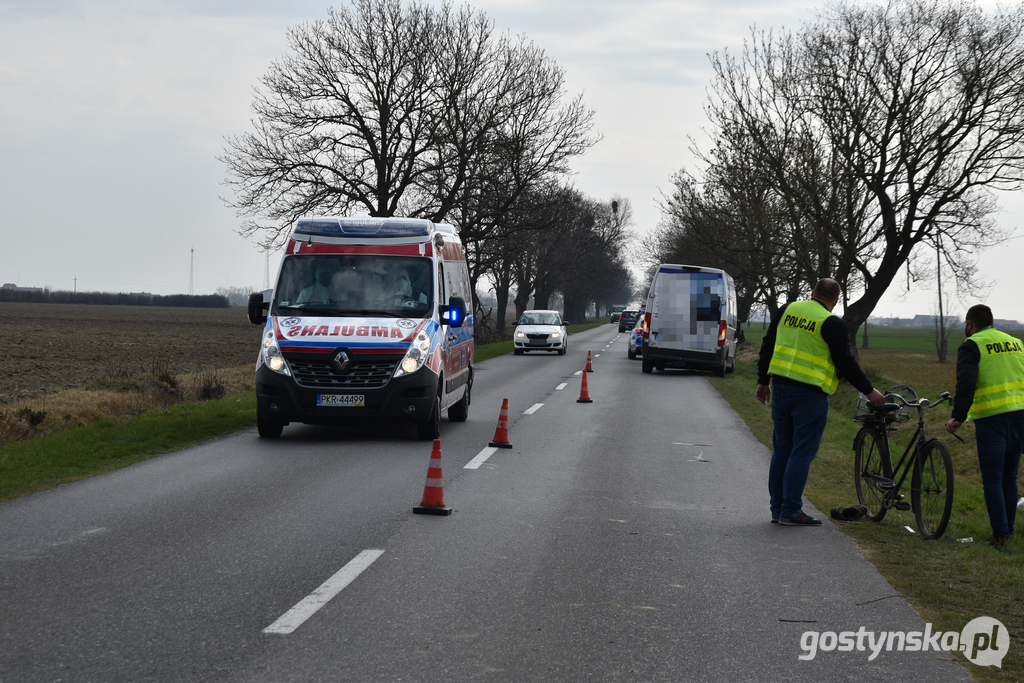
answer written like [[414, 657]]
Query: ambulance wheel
[[431, 429], [268, 429], [561, 351], [458, 412], [631, 355]]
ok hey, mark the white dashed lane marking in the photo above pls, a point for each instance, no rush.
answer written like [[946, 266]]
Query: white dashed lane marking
[[532, 409], [308, 606], [480, 458]]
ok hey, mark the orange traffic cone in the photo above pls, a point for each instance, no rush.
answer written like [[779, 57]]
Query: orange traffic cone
[[584, 394], [589, 368], [433, 492], [501, 433]]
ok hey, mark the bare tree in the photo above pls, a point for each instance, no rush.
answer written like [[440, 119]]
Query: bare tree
[[399, 108], [883, 129]]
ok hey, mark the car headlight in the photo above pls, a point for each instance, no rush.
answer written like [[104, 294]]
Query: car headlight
[[416, 356], [521, 335], [556, 335], [272, 356]]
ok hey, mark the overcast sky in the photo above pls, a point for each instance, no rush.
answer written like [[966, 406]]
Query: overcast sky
[[112, 115]]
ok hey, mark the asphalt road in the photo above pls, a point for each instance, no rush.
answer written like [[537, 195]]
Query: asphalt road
[[627, 538]]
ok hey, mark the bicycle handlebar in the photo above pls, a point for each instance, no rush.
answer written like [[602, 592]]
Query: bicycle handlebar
[[920, 403]]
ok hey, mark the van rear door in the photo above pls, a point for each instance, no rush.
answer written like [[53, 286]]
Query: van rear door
[[687, 308]]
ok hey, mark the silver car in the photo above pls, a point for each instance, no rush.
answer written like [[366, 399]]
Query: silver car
[[540, 331]]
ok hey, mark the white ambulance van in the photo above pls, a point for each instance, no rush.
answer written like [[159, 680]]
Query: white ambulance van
[[368, 321], [690, 320]]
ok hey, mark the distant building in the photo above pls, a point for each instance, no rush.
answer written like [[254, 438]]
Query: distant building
[[11, 287]]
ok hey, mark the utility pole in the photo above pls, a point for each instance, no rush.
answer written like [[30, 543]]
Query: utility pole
[[191, 270], [266, 269], [943, 350]]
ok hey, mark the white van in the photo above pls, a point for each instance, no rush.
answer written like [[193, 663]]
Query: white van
[[690, 320], [368, 320]]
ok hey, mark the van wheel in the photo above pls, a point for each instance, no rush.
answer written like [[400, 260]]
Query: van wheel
[[648, 366], [732, 365], [268, 429], [722, 369], [431, 429], [458, 412]]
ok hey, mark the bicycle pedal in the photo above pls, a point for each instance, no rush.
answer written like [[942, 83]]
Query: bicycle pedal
[[902, 505], [881, 482]]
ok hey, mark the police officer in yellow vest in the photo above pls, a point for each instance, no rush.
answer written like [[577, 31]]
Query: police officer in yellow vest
[[805, 351], [990, 391]]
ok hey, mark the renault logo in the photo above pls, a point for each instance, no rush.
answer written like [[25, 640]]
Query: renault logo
[[341, 361]]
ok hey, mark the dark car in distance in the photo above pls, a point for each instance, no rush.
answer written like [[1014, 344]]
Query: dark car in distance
[[627, 320]]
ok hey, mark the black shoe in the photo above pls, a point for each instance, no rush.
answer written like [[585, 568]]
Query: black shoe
[[775, 519], [799, 519], [997, 542], [849, 513]]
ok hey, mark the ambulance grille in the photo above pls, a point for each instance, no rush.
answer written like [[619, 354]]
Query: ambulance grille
[[321, 375]]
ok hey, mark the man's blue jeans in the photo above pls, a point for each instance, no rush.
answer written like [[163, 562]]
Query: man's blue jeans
[[800, 415], [1000, 439]]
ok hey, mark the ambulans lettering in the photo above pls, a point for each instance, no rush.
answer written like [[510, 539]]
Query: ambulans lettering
[[385, 331], [800, 323], [1003, 347]]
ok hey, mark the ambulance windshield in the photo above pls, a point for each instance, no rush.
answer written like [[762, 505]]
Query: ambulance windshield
[[355, 285]]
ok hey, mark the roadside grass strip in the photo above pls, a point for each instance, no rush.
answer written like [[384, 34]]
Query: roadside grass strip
[[311, 604], [61, 457]]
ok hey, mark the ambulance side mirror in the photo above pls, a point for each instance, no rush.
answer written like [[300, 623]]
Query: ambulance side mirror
[[454, 314], [258, 308]]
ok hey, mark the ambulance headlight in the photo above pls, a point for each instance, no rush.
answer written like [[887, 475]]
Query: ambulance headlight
[[556, 335], [520, 335], [272, 355], [416, 356]]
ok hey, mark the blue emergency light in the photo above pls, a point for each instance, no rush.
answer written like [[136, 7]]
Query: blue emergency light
[[363, 227]]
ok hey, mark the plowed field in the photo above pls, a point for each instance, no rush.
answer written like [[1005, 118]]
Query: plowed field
[[50, 347]]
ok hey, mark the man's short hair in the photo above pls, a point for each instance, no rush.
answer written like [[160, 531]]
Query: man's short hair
[[827, 289], [980, 315]]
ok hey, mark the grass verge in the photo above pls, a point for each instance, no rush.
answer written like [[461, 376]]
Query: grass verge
[[32, 466], [947, 581]]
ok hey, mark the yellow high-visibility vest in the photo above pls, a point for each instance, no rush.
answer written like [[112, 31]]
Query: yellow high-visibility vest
[[800, 353], [1000, 386]]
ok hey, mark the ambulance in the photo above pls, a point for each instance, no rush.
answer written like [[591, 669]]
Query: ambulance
[[368, 321]]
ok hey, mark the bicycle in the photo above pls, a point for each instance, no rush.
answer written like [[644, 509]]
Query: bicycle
[[928, 462]]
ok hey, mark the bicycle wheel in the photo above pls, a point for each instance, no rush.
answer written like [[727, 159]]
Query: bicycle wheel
[[931, 489], [871, 459]]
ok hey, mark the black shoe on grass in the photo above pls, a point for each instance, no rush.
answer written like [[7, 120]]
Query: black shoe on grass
[[799, 519]]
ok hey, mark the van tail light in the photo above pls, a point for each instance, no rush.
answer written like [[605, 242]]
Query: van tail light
[[647, 324], [721, 333]]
